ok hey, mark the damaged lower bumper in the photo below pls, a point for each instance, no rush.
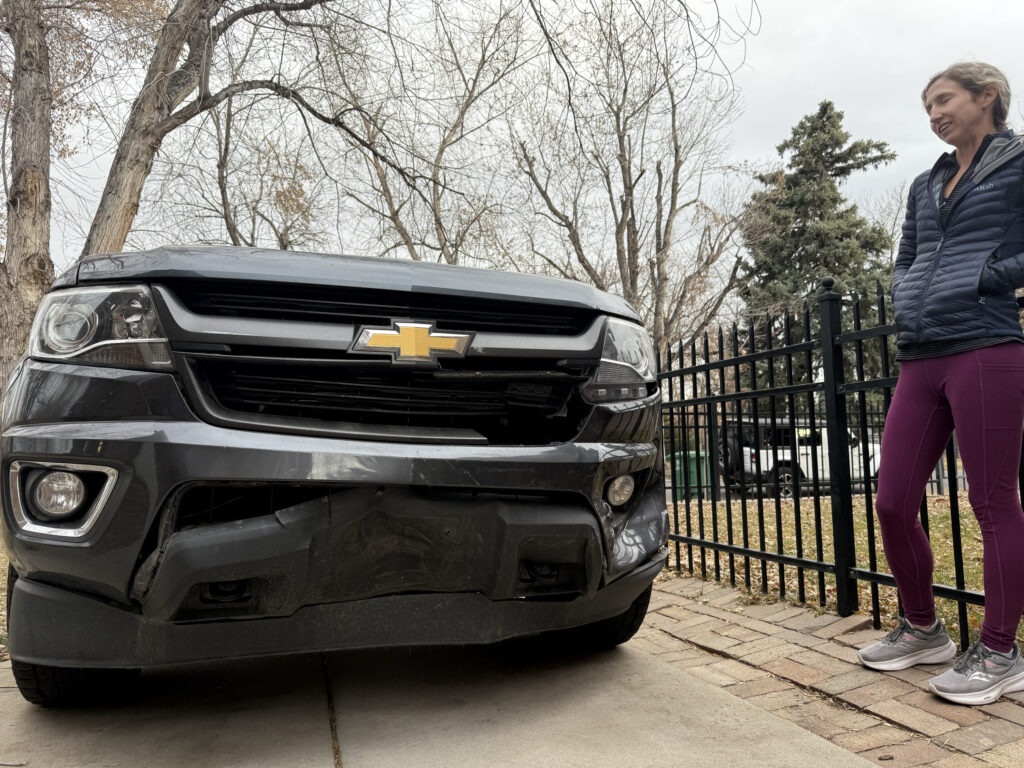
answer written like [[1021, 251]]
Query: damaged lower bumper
[[109, 636]]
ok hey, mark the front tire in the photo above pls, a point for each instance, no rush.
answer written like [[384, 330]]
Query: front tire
[[67, 686], [606, 634], [72, 686]]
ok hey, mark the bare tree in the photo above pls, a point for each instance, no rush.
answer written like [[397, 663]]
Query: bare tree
[[182, 82], [617, 147], [246, 171], [27, 269], [888, 210], [242, 175], [183, 79], [466, 60], [620, 167], [51, 53]]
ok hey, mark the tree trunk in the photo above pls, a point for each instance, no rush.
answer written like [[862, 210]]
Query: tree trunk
[[165, 87], [120, 201], [27, 270]]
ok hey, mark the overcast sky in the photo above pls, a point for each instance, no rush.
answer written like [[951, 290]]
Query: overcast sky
[[871, 58]]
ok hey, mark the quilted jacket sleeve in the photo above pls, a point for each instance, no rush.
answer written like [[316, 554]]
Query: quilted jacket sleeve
[[908, 243]]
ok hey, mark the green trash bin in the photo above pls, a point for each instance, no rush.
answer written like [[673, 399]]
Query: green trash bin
[[696, 471]]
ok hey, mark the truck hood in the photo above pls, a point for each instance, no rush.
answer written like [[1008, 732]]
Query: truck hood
[[267, 265]]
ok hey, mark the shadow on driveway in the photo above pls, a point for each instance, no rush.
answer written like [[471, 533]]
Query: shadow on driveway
[[510, 705]]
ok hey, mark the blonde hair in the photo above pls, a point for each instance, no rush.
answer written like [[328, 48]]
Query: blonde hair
[[975, 77]]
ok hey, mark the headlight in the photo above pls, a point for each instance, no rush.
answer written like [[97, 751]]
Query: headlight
[[114, 326], [627, 364]]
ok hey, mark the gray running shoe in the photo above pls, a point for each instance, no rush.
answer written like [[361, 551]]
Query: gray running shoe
[[907, 645], [980, 676]]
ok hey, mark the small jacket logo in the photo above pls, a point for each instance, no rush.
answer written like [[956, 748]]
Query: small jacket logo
[[412, 342], [983, 187]]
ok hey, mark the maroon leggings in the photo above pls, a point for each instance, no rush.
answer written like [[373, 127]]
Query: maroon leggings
[[981, 394]]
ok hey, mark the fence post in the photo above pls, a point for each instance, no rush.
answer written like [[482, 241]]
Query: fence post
[[838, 448]]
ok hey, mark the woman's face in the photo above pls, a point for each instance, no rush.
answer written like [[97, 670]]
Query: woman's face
[[956, 115]]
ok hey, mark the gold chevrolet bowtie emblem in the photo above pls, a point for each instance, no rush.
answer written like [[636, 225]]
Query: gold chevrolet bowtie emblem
[[412, 342]]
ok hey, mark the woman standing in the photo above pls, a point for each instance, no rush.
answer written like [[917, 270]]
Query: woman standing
[[962, 352]]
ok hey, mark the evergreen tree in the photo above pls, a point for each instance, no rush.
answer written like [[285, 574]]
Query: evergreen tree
[[800, 227]]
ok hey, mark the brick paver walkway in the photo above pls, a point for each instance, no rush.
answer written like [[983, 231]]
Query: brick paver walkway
[[803, 666]]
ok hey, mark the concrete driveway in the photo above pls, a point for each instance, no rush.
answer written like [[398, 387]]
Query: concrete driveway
[[465, 707]]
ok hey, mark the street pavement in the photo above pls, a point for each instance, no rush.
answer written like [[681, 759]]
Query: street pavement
[[459, 707]]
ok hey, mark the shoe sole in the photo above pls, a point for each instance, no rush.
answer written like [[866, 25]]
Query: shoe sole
[[975, 698], [927, 656]]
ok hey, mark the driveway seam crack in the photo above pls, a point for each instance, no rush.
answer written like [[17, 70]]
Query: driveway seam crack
[[331, 715]]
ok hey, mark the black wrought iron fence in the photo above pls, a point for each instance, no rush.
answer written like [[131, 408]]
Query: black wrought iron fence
[[772, 434]]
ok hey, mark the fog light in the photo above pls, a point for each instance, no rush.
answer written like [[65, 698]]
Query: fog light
[[619, 490], [58, 495]]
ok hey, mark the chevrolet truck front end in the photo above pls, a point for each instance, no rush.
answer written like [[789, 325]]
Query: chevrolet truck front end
[[224, 453]]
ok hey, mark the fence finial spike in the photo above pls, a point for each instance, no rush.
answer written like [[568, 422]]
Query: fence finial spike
[[828, 283]]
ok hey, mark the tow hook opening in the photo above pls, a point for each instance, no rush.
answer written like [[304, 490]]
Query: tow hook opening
[[538, 578], [220, 592], [212, 600]]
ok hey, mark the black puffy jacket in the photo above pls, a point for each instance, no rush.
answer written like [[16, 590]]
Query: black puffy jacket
[[958, 284]]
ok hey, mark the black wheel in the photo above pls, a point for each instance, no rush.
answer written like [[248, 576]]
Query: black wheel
[[597, 636], [786, 480], [730, 461], [67, 686], [72, 686], [730, 456], [608, 633]]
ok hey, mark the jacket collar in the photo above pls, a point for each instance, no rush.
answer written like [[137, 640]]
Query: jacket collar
[[1003, 148], [997, 149]]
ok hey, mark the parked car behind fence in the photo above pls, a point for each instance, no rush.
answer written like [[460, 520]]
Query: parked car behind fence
[[787, 455]]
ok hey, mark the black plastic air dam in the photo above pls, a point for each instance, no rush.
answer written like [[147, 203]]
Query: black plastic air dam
[[370, 542], [106, 636]]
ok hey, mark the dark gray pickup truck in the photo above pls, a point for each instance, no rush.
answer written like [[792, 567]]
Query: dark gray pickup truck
[[215, 453]]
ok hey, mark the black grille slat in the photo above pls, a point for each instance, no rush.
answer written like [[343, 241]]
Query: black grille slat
[[342, 410], [378, 307], [380, 392], [250, 396], [363, 392], [251, 388], [510, 407]]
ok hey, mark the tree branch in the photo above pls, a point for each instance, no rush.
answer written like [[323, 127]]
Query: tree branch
[[209, 101], [568, 224], [252, 10]]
